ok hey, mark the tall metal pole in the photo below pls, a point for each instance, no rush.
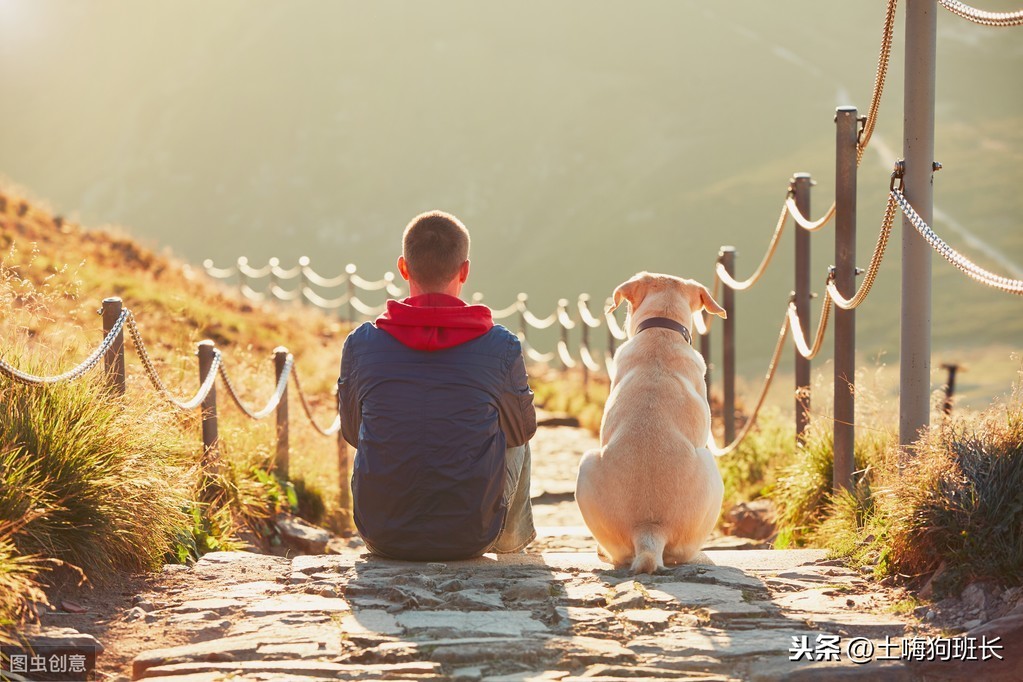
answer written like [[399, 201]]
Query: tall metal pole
[[801, 184], [918, 150], [727, 255], [845, 280]]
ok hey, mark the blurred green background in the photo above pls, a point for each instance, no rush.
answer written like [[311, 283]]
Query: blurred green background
[[579, 141]]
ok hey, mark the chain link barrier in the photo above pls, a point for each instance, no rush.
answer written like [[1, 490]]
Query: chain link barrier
[[875, 264], [742, 285], [154, 376], [275, 398], [799, 337], [964, 264], [26, 379], [983, 17], [808, 225], [772, 369], [334, 427]]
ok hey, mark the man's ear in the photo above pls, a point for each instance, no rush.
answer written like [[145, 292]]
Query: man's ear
[[463, 272], [632, 291], [403, 268], [708, 303]]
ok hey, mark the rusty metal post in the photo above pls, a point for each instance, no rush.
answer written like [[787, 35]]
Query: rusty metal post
[[846, 132], [950, 387], [206, 352], [727, 256], [801, 184], [113, 359], [281, 462]]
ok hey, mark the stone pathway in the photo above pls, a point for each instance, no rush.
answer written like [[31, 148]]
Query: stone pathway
[[559, 614]]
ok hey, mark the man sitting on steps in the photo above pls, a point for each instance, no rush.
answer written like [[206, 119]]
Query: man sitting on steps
[[434, 397]]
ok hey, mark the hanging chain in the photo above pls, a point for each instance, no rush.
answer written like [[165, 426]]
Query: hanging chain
[[882, 71], [872, 269], [330, 430], [979, 16], [275, 399], [768, 378], [27, 379], [964, 264], [772, 246], [154, 377]]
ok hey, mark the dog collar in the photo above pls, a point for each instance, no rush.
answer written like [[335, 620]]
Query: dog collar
[[665, 323]]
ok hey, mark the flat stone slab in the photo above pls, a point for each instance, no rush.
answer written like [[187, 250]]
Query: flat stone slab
[[694, 594], [298, 603], [215, 605], [377, 622], [484, 622]]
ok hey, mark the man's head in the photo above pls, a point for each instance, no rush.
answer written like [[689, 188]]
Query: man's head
[[435, 254]]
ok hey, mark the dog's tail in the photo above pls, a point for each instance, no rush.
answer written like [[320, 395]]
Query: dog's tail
[[648, 542]]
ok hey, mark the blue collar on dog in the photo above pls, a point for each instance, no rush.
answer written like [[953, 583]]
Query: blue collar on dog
[[665, 323]]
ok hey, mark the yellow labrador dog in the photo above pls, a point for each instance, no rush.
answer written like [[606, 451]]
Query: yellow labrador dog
[[652, 493]]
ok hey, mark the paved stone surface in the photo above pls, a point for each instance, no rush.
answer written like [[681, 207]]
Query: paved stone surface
[[556, 613]]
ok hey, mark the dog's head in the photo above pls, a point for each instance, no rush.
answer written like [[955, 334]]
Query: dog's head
[[654, 295]]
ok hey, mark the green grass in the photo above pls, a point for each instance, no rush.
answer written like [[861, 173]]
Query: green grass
[[19, 584], [950, 506], [957, 502], [101, 483], [751, 470]]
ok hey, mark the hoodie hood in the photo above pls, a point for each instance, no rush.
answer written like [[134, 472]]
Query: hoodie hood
[[433, 322]]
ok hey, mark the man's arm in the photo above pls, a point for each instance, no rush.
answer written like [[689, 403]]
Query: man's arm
[[348, 399], [517, 415]]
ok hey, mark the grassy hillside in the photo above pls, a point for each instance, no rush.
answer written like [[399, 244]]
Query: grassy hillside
[[97, 485]]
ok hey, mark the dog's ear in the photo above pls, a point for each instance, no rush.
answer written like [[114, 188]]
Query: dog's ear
[[632, 291], [707, 302]]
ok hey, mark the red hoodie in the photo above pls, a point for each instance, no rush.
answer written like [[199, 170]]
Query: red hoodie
[[434, 321]]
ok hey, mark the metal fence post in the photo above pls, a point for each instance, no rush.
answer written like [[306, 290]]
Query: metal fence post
[[563, 333], [801, 184], [350, 269], [918, 150], [113, 359], [612, 342], [523, 325], [206, 352], [584, 342], [845, 280], [344, 483], [243, 279], [727, 257], [281, 462], [950, 387], [303, 279]]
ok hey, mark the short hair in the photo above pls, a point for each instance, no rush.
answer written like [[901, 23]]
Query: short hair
[[435, 245]]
